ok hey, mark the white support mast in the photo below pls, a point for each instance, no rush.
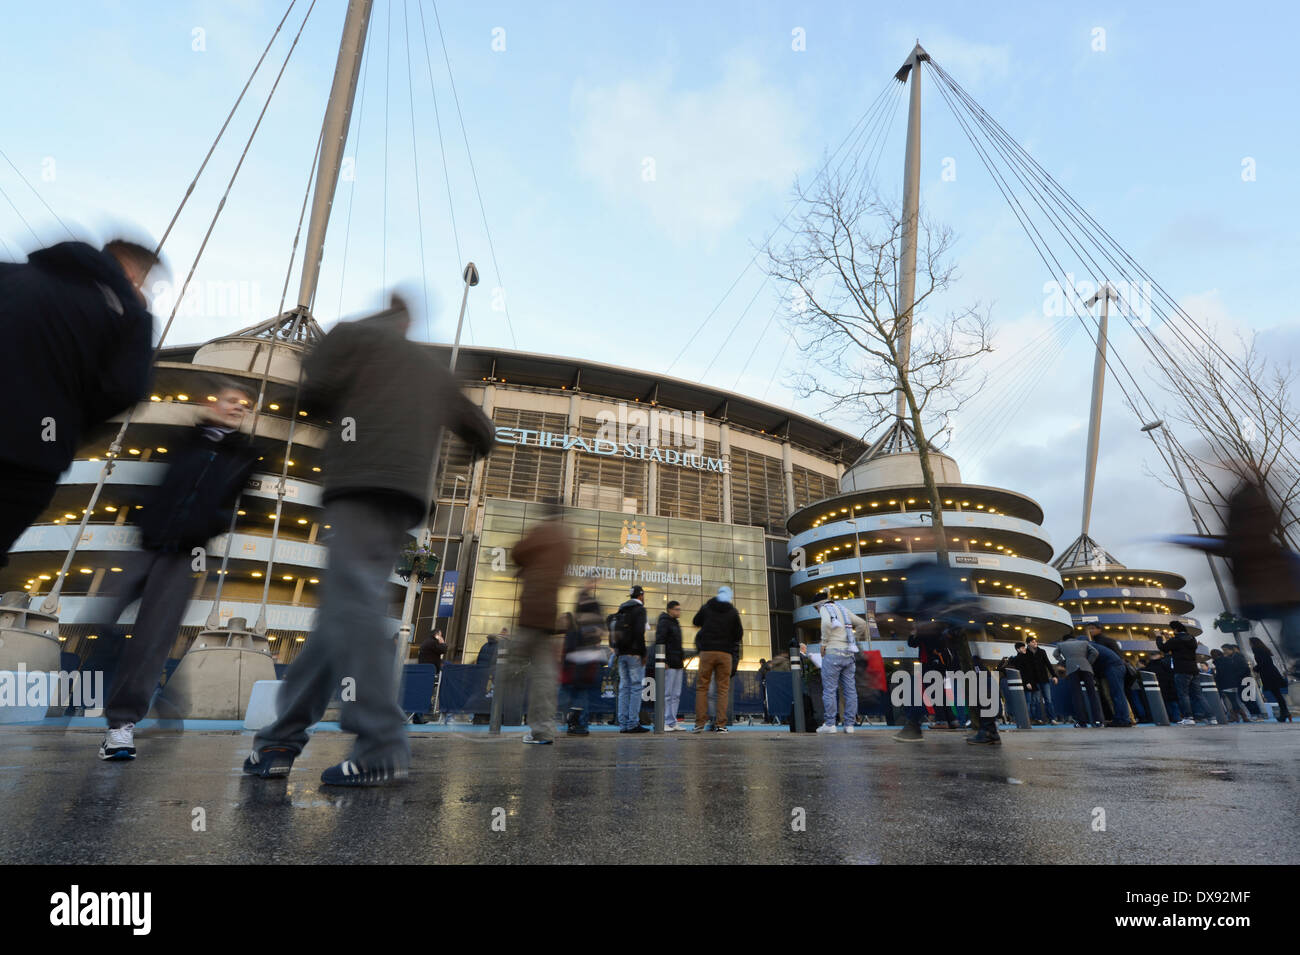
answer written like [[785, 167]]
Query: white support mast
[[911, 212], [1105, 295], [338, 116]]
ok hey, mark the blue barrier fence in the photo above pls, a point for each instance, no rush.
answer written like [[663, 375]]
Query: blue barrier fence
[[464, 689]]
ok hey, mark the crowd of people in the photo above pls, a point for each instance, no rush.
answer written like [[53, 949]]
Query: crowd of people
[[77, 313]]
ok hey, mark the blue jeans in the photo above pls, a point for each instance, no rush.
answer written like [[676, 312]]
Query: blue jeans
[[1189, 695], [631, 675], [672, 695], [1114, 677], [837, 673], [1040, 702]]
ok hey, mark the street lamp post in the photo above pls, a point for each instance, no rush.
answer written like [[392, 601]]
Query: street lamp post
[[446, 544], [470, 277]]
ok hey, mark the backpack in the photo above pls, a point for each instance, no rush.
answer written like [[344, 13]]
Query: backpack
[[617, 631]]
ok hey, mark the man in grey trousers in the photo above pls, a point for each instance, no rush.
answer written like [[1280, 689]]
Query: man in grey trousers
[[365, 377], [1078, 654]]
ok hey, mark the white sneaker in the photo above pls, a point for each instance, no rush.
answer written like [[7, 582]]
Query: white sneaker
[[826, 729], [848, 727], [670, 727], [119, 743], [1187, 722], [1214, 722]]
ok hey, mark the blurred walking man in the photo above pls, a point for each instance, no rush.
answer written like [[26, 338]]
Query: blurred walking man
[[78, 336], [205, 474], [378, 389], [540, 557]]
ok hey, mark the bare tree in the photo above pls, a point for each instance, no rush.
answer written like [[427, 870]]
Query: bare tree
[[1245, 418], [840, 269]]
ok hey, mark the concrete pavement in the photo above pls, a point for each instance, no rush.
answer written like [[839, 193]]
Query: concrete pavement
[[1171, 795]]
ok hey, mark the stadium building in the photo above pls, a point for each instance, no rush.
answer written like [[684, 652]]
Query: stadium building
[[857, 544], [667, 483]]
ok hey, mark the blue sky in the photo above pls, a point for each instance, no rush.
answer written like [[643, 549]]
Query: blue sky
[[111, 108]]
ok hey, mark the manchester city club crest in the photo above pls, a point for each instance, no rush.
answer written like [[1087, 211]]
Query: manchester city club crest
[[633, 539]]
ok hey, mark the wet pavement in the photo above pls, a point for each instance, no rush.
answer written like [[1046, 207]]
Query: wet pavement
[[1171, 795]]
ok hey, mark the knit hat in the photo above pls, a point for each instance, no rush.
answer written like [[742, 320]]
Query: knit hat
[[724, 594]]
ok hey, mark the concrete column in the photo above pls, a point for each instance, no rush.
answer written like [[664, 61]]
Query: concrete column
[[571, 456], [297, 590], [652, 485], [787, 469], [724, 449]]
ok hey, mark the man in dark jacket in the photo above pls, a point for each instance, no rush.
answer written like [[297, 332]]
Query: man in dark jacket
[[205, 474], [718, 640], [628, 634], [77, 333], [364, 376], [1159, 664], [1109, 666], [1039, 679], [669, 632], [1181, 646], [1230, 673]]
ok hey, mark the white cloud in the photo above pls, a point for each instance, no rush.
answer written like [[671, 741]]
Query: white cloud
[[715, 150]]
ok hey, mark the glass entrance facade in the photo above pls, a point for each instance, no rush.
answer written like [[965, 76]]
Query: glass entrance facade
[[672, 558]]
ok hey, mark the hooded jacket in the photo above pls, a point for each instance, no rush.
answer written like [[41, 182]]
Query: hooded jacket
[[205, 474], [632, 637], [388, 399], [668, 631], [78, 341], [720, 628]]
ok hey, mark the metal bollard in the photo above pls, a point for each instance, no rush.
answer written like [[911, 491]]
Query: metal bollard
[[1016, 701], [498, 687], [796, 683], [661, 669], [1210, 694], [1155, 699]]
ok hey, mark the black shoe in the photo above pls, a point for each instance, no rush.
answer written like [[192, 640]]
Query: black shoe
[[269, 762], [579, 731], [719, 729], [952, 725], [348, 773], [1117, 723], [986, 739], [910, 733]]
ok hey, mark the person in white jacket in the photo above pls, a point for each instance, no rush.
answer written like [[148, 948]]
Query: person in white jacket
[[840, 633]]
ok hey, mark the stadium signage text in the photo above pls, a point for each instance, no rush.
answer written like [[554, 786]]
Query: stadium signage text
[[633, 575], [607, 448]]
